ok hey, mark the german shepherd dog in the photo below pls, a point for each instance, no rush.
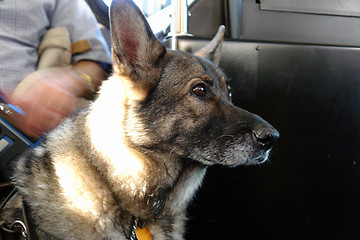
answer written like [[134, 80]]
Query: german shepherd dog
[[135, 157]]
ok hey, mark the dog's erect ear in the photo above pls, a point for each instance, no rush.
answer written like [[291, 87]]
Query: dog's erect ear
[[212, 51], [136, 51]]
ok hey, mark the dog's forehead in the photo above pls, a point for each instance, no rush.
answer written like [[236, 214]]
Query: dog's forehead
[[214, 72], [185, 60], [190, 66]]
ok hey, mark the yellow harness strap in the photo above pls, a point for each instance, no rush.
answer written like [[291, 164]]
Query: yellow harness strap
[[143, 233], [80, 46]]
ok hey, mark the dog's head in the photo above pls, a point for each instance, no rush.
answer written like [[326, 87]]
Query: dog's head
[[178, 103]]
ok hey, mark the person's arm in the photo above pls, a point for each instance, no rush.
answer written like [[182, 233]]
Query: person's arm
[[91, 75], [48, 95]]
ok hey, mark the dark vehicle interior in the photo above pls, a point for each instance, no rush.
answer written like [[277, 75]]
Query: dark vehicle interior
[[296, 64]]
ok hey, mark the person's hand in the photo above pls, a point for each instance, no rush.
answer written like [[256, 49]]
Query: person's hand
[[47, 96]]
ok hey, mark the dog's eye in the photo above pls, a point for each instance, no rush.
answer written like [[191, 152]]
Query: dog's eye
[[199, 90]]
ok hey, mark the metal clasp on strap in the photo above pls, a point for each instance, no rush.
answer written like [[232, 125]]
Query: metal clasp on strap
[[15, 227]]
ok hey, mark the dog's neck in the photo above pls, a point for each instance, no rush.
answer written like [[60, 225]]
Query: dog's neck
[[147, 186], [150, 188], [145, 182]]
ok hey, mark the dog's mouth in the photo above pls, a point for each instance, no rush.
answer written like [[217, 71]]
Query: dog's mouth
[[232, 151], [260, 159], [235, 161]]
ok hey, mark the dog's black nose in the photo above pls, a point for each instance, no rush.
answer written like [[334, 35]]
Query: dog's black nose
[[266, 136]]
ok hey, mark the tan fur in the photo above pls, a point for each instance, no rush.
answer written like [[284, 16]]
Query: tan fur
[[138, 154]]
